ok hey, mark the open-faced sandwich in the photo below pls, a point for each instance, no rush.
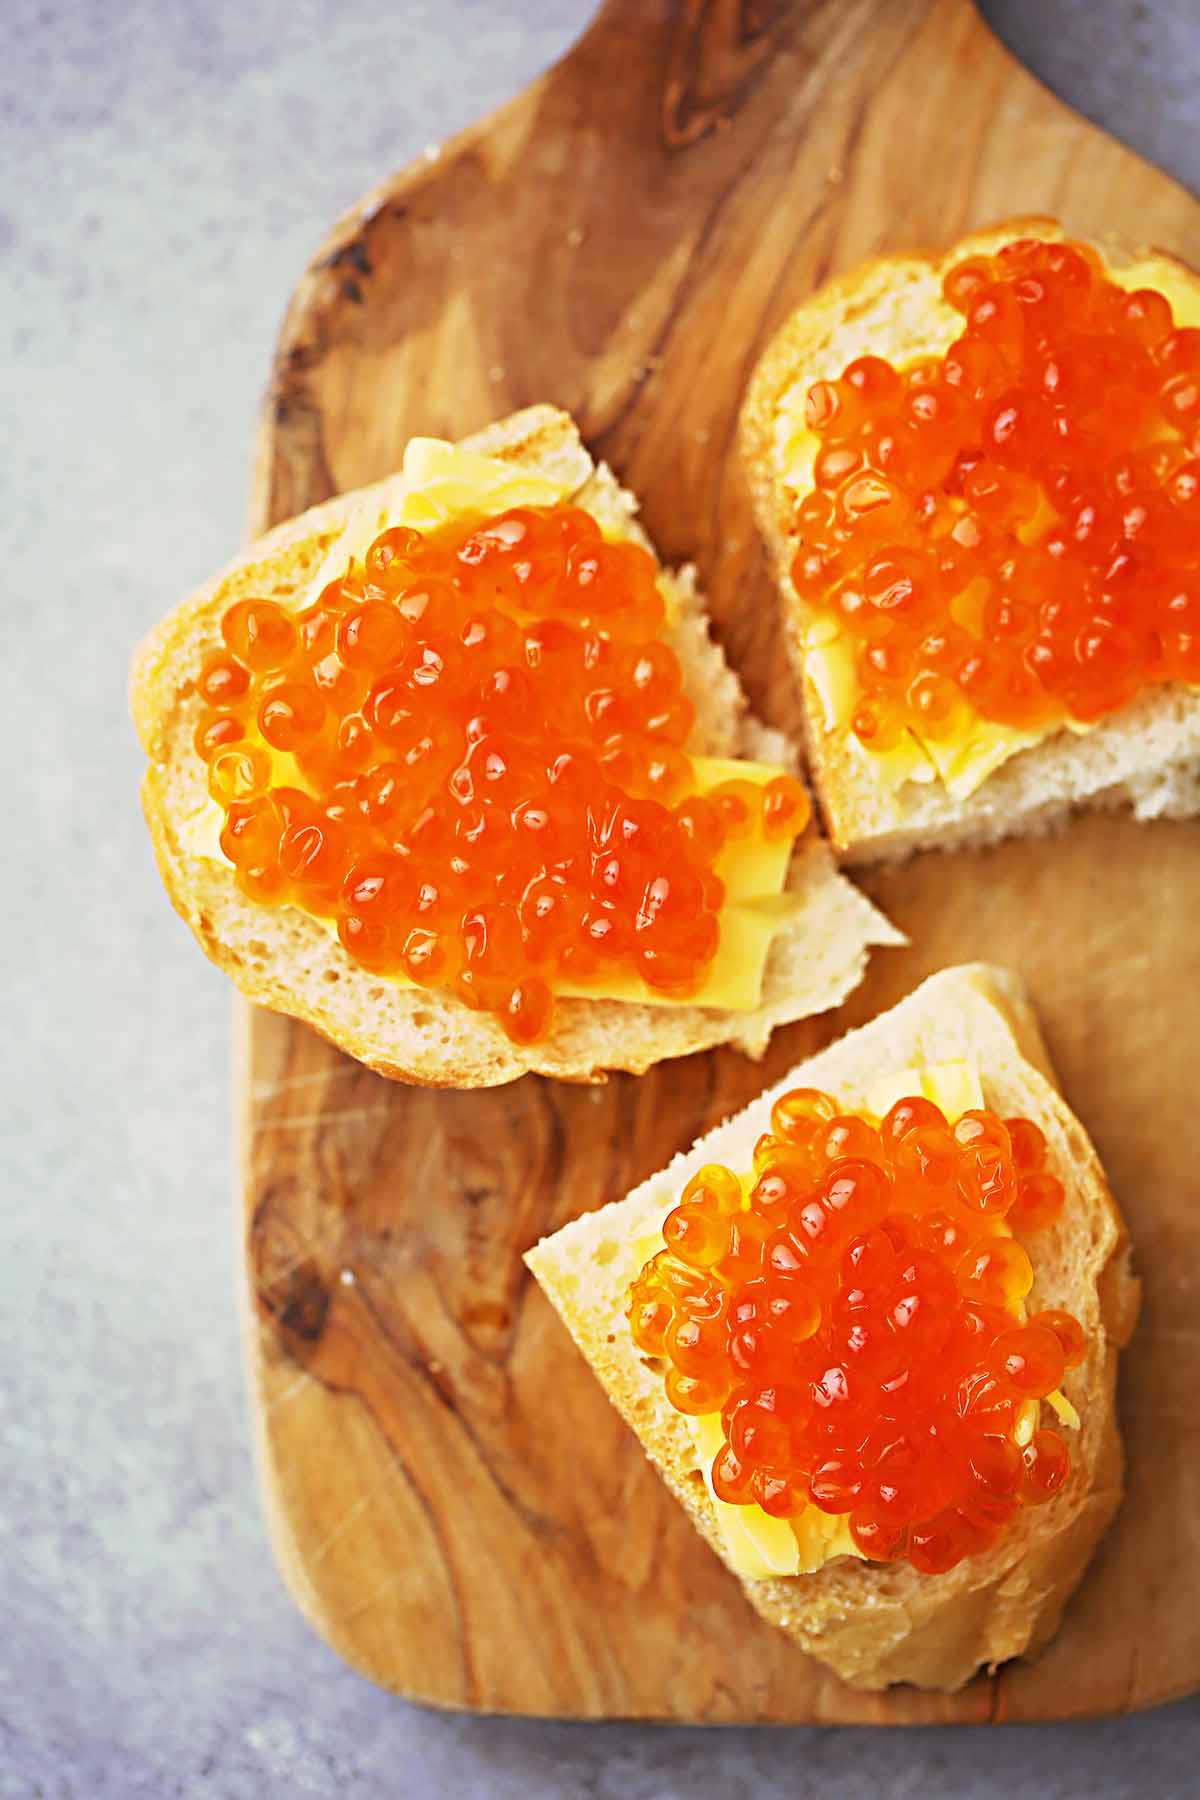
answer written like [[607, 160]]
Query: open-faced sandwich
[[450, 768], [979, 477], [867, 1330]]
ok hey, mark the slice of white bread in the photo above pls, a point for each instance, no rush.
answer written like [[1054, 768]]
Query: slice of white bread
[[285, 959], [1146, 755], [880, 1623]]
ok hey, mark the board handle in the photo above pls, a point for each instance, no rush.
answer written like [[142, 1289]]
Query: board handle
[[711, 53]]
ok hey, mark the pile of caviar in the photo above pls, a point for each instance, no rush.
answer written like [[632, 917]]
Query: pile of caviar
[[855, 1313], [470, 755], [1011, 531]]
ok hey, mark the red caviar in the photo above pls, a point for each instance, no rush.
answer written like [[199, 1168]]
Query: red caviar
[[488, 788], [1012, 530], [855, 1313]]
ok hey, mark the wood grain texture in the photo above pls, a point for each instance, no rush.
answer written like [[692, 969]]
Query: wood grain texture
[[453, 1503]]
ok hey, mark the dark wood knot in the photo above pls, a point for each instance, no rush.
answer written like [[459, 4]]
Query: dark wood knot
[[290, 1288], [718, 49]]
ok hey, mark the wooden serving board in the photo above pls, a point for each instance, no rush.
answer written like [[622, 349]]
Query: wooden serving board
[[454, 1504]]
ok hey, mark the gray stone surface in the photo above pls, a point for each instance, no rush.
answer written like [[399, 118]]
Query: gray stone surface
[[167, 166]]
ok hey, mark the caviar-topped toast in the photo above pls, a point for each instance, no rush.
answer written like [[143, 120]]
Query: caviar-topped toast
[[451, 769], [867, 1330], [978, 477]]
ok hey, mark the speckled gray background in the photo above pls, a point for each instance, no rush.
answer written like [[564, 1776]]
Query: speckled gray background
[[165, 168]]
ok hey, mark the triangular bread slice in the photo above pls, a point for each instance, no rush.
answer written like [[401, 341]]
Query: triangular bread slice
[[874, 1623], [1146, 755], [286, 960]]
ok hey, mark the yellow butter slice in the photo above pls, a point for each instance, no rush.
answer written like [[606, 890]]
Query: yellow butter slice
[[954, 1086], [965, 764], [962, 764], [437, 482], [1062, 1406], [1026, 1425], [757, 865], [829, 665], [757, 1545], [1175, 283]]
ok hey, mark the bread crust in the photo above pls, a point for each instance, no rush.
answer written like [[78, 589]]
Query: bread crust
[[877, 1624], [1146, 755], [286, 960]]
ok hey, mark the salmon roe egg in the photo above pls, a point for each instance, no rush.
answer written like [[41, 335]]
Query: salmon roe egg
[[1012, 530], [470, 756], [857, 1318]]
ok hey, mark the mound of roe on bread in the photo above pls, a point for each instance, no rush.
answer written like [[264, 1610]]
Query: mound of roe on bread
[[855, 1311], [1011, 530], [469, 756]]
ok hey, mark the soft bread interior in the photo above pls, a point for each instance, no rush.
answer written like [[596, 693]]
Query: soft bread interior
[[877, 1624], [1147, 755], [286, 960]]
